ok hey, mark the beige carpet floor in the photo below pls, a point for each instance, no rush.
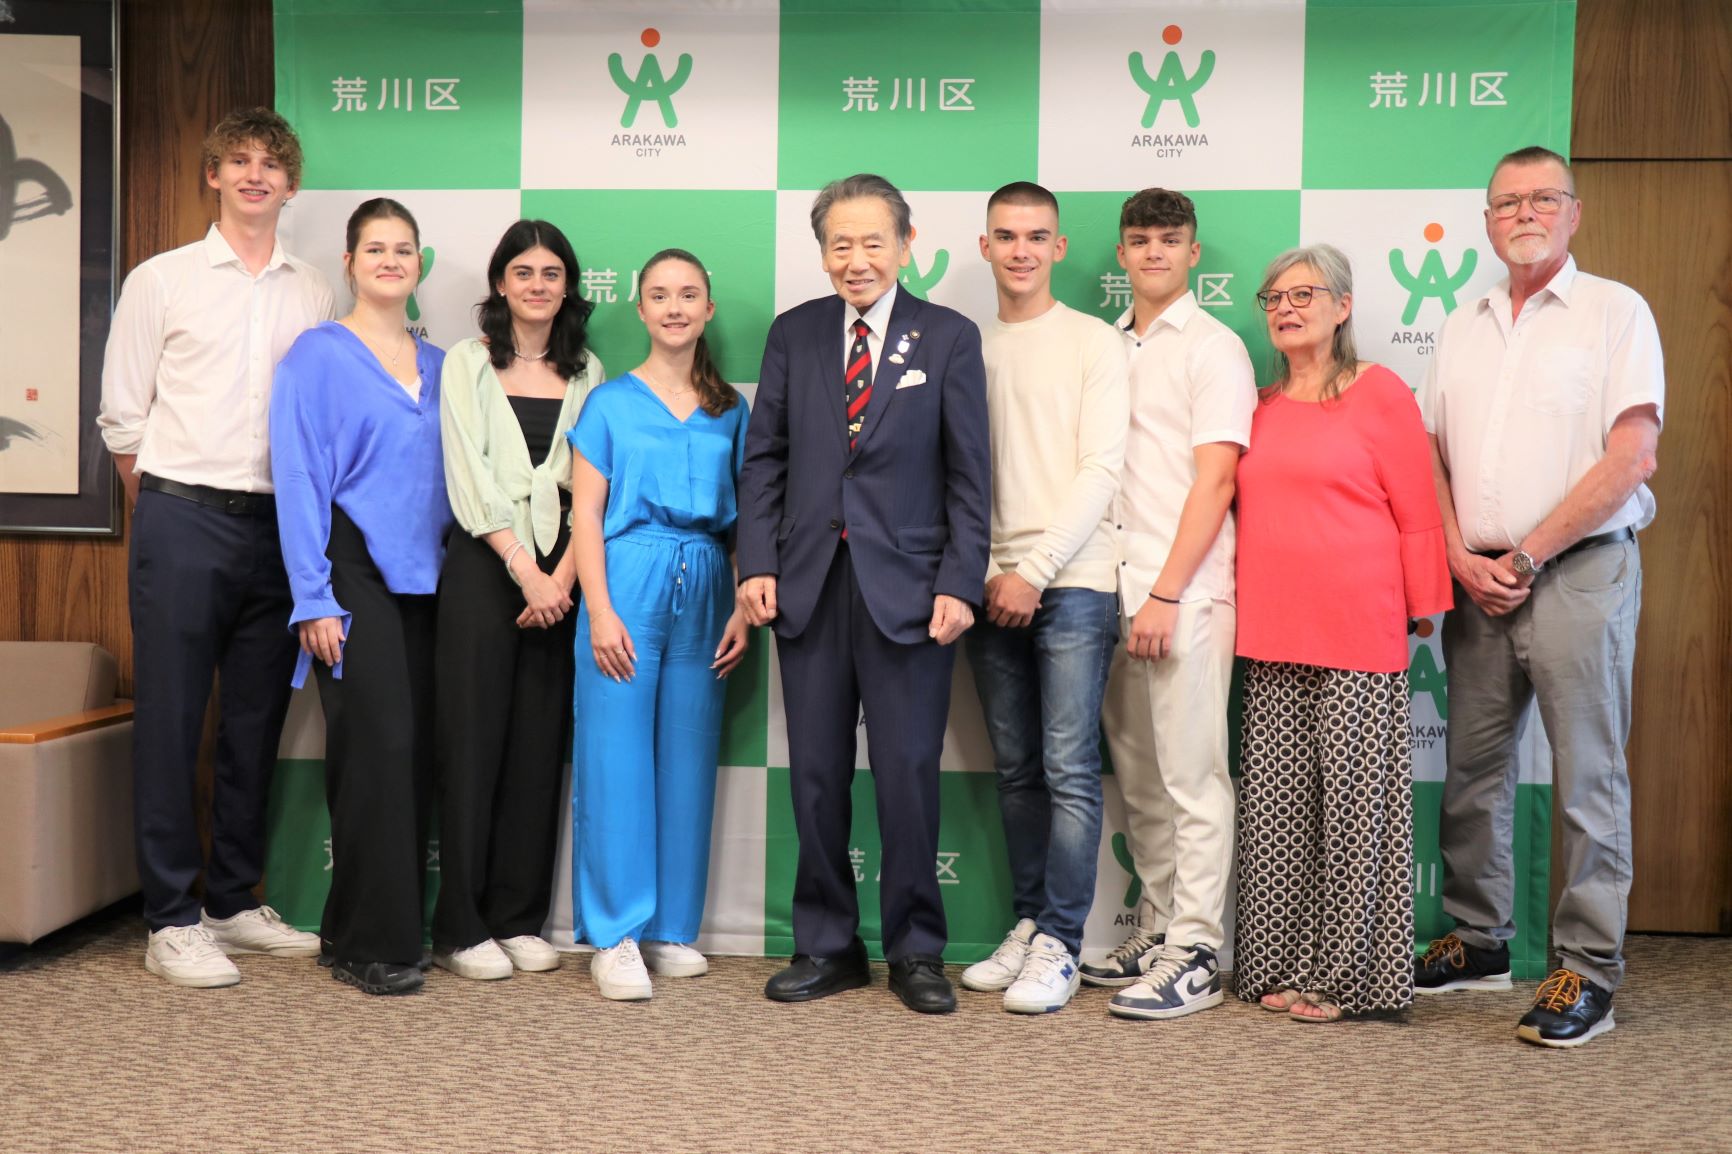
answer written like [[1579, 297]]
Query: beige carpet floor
[[97, 1055]]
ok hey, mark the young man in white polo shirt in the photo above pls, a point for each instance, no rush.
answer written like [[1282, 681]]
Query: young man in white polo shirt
[[186, 401], [1544, 406], [1056, 401], [1192, 395]]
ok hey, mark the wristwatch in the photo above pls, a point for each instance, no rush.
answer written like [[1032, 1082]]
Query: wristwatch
[[1524, 564]]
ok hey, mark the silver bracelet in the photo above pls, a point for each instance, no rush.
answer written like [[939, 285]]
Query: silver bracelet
[[510, 553]]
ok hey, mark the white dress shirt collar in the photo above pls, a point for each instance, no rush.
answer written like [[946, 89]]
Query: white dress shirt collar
[[1560, 286], [219, 252], [1177, 315]]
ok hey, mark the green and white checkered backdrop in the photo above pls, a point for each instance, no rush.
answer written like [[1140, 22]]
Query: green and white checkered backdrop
[[709, 124]]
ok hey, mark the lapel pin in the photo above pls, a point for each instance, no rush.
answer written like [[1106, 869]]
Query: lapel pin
[[896, 358], [902, 345]]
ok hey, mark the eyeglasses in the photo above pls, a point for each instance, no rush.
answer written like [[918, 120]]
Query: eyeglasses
[[1299, 296], [1546, 201]]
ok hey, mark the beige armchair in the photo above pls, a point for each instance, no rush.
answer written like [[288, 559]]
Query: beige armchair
[[66, 846]]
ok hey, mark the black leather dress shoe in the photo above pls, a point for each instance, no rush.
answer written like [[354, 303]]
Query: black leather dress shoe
[[920, 982], [809, 978], [378, 977], [1568, 1011]]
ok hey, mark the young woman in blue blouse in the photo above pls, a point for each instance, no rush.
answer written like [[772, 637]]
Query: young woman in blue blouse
[[657, 453], [362, 512]]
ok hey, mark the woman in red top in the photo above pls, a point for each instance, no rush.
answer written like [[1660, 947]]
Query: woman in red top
[[1340, 542]]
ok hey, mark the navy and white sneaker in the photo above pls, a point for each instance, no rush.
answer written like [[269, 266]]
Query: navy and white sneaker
[[1049, 977], [1182, 981], [1128, 961]]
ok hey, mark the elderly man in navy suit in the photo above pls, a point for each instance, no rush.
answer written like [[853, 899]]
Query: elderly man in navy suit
[[863, 539]]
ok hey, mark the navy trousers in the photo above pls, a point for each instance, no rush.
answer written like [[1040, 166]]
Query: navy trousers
[[208, 594], [839, 664]]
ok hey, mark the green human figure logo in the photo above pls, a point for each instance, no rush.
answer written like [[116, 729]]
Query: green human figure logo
[[1122, 851], [919, 283], [1433, 278], [649, 84], [1172, 82], [427, 257]]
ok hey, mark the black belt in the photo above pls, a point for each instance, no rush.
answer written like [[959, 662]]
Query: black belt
[[233, 503], [1594, 542]]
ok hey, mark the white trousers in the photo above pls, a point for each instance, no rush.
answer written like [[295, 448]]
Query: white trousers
[[1166, 728]]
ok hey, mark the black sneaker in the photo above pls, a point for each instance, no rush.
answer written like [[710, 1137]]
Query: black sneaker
[[1568, 1011], [1451, 964], [1128, 962]]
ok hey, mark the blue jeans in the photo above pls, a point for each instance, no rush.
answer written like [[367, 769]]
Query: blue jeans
[[1041, 689]]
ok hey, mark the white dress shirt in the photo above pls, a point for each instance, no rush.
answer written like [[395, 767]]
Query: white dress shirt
[[1191, 384], [186, 379], [877, 318], [1521, 407]]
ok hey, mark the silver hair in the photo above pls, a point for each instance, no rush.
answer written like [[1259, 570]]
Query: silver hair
[[855, 187], [1335, 272]]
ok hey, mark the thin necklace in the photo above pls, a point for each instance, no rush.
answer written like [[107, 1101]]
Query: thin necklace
[[401, 334], [541, 356], [657, 386]]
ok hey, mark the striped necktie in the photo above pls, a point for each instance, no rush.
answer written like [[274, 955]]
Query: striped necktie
[[858, 381]]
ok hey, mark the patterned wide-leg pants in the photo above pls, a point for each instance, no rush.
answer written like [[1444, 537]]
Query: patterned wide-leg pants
[[1326, 837]]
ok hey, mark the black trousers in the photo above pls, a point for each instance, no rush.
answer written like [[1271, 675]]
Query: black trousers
[[504, 714], [208, 594], [378, 759], [840, 663]]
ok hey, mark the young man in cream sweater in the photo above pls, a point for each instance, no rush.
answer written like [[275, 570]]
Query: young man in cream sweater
[[1192, 396], [1058, 405]]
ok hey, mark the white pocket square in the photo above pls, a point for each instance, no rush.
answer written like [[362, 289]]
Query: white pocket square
[[911, 378]]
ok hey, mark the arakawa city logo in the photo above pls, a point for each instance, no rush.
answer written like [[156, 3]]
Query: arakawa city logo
[[1432, 281], [650, 85], [1171, 81]]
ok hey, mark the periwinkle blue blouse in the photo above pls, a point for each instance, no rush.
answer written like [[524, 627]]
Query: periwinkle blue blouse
[[344, 433], [660, 470]]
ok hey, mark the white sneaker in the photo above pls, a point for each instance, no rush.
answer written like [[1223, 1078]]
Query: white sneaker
[[1182, 981], [260, 931], [186, 956], [1127, 962], [1001, 969], [674, 960], [484, 961], [530, 953], [619, 973], [1049, 978]]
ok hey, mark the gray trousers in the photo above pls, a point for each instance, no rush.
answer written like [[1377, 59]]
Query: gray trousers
[[1572, 645]]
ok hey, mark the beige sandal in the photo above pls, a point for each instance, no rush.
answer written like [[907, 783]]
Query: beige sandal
[[1284, 1000], [1330, 1007]]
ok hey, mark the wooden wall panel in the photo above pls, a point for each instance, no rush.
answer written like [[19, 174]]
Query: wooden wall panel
[[183, 64], [1636, 228], [1653, 80]]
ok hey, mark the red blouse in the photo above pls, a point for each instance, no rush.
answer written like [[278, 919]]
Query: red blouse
[[1340, 538]]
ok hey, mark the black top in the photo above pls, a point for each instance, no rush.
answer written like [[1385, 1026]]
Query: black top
[[537, 416]]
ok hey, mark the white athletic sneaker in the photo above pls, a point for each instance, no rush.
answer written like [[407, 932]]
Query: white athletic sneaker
[[186, 956], [619, 973], [1001, 969], [1182, 981], [1049, 978], [484, 961], [530, 953], [674, 960], [260, 931]]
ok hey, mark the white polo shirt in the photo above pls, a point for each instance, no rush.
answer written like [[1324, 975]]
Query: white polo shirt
[[1191, 384], [1521, 409], [192, 348]]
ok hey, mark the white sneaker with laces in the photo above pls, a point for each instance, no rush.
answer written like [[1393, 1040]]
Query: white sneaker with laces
[[997, 972], [187, 956], [530, 953], [619, 973], [1127, 962], [484, 961], [674, 960], [260, 931], [1182, 981], [1049, 977]]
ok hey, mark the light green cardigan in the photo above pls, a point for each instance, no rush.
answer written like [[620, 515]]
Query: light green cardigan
[[488, 474]]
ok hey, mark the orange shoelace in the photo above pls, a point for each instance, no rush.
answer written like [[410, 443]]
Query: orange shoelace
[[1560, 991], [1448, 946]]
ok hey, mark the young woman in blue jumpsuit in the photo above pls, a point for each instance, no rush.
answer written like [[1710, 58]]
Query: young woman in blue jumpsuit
[[657, 452]]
